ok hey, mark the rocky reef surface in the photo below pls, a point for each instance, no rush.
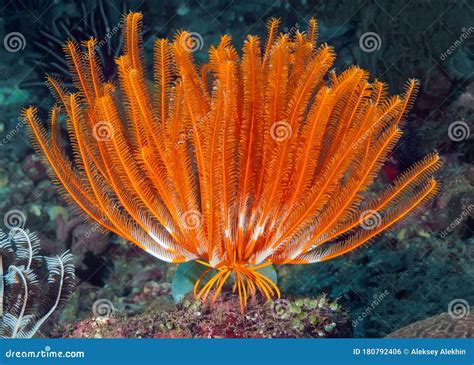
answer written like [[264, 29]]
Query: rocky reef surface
[[281, 318], [440, 326]]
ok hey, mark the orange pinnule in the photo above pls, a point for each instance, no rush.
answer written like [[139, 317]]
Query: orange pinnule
[[251, 160]]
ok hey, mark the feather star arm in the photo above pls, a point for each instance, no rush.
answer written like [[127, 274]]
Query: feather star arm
[[250, 160]]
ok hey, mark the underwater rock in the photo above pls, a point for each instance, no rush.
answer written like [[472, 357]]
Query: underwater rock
[[64, 226], [151, 290], [55, 211], [438, 86], [466, 99], [145, 276], [33, 168], [440, 326], [455, 201], [86, 238], [300, 318], [46, 191]]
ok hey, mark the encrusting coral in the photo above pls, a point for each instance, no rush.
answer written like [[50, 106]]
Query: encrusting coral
[[245, 162], [26, 302]]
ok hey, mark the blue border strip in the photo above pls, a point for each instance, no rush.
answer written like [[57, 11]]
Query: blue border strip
[[241, 352]]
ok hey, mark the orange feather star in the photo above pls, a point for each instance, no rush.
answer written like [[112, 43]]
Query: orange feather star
[[248, 161]]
